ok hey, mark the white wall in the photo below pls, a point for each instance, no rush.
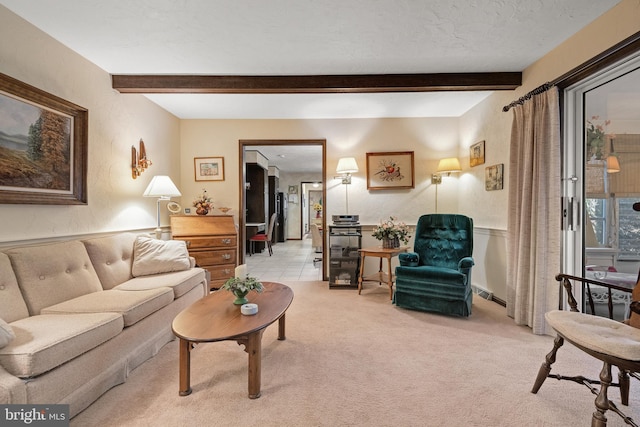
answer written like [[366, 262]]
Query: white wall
[[116, 122]]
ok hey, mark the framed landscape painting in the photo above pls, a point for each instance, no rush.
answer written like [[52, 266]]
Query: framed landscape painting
[[43, 147], [390, 170], [209, 168]]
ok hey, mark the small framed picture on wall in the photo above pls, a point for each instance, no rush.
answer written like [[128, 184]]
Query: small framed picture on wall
[[209, 168], [476, 154], [493, 177]]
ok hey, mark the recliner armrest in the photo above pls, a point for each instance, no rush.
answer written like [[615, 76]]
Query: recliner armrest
[[409, 259], [465, 263]]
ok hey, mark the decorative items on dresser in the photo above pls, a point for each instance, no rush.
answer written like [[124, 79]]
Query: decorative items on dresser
[[212, 240]]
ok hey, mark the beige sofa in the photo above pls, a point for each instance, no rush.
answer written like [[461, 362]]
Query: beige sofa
[[78, 316]]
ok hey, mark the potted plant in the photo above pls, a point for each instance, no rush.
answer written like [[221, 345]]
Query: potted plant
[[203, 203], [240, 287], [392, 232]]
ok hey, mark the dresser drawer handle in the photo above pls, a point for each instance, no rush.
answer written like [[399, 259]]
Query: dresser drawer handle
[[227, 271], [226, 241], [226, 256]]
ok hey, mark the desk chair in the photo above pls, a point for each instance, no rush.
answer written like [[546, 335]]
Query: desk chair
[[316, 241], [266, 238]]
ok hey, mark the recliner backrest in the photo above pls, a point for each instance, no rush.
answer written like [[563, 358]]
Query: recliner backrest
[[441, 240]]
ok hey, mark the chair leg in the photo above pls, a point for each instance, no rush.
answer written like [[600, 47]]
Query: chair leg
[[602, 401], [623, 380], [250, 247], [269, 247], [546, 366]]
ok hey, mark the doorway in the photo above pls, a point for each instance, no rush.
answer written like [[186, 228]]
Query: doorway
[[601, 174], [293, 161]]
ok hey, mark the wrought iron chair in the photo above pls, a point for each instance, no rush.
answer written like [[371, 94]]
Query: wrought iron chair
[[614, 343]]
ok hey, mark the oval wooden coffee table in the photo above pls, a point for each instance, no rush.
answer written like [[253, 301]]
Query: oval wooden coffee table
[[216, 318]]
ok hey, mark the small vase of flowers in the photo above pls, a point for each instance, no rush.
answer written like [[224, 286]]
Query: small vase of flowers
[[241, 286], [392, 232], [318, 208], [203, 203]]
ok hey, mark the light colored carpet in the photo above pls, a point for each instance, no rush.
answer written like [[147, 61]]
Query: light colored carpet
[[357, 360]]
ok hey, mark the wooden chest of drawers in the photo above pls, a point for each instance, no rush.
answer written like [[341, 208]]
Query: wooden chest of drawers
[[212, 240]]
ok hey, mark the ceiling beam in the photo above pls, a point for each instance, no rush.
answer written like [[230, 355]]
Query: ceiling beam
[[365, 83]]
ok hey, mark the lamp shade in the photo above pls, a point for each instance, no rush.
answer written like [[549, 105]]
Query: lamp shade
[[613, 165], [449, 165], [347, 165], [161, 186]]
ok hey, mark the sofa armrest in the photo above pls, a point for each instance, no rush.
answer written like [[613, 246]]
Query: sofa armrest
[[13, 390]]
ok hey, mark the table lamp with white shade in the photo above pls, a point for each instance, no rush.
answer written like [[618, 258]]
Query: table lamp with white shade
[[163, 188]]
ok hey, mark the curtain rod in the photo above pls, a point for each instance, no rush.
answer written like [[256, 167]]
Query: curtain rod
[[540, 89]]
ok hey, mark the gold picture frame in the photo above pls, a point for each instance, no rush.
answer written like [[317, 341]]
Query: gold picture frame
[[55, 175], [208, 168], [476, 154], [391, 170]]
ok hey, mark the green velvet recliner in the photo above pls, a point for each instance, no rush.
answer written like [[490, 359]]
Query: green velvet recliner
[[437, 275]]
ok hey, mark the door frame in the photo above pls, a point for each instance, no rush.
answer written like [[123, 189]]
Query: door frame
[[572, 87], [243, 144]]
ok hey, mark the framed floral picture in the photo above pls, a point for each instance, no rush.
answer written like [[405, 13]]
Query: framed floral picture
[[476, 154], [390, 170], [209, 168]]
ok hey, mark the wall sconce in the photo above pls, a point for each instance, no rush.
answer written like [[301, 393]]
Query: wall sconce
[[445, 166], [613, 165], [163, 188], [139, 161], [346, 166]]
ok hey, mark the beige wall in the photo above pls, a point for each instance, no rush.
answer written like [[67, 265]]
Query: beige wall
[[115, 123], [430, 139]]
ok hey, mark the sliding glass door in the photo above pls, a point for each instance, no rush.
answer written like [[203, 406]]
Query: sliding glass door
[[601, 177]]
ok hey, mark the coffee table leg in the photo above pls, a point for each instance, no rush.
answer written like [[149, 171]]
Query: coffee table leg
[[254, 349], [281, 324], [185, 368]]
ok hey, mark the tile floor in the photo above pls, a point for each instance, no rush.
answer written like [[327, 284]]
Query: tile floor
[[291, 260]]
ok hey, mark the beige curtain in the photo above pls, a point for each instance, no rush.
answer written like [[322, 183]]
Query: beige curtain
[[534, 235]]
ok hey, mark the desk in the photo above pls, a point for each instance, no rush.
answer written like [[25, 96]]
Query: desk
[[380, 276], [215, 318]]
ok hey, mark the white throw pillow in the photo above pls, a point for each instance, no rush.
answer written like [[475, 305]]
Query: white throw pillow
[[152, 256], [6, 334]]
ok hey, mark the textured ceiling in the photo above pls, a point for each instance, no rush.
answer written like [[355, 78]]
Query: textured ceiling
[[287, 37]]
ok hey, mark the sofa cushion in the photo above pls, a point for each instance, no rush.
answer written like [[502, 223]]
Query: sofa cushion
[[46, 341], [12, 305], [153, 256], [6, 334], [50, 274], [180, 281], [132, 305], [112, 257]]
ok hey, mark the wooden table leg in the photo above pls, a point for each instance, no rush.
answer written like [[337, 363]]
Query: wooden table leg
[[362, 256], [281, 325], [254, 348], [390, 283], [185, 367]]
